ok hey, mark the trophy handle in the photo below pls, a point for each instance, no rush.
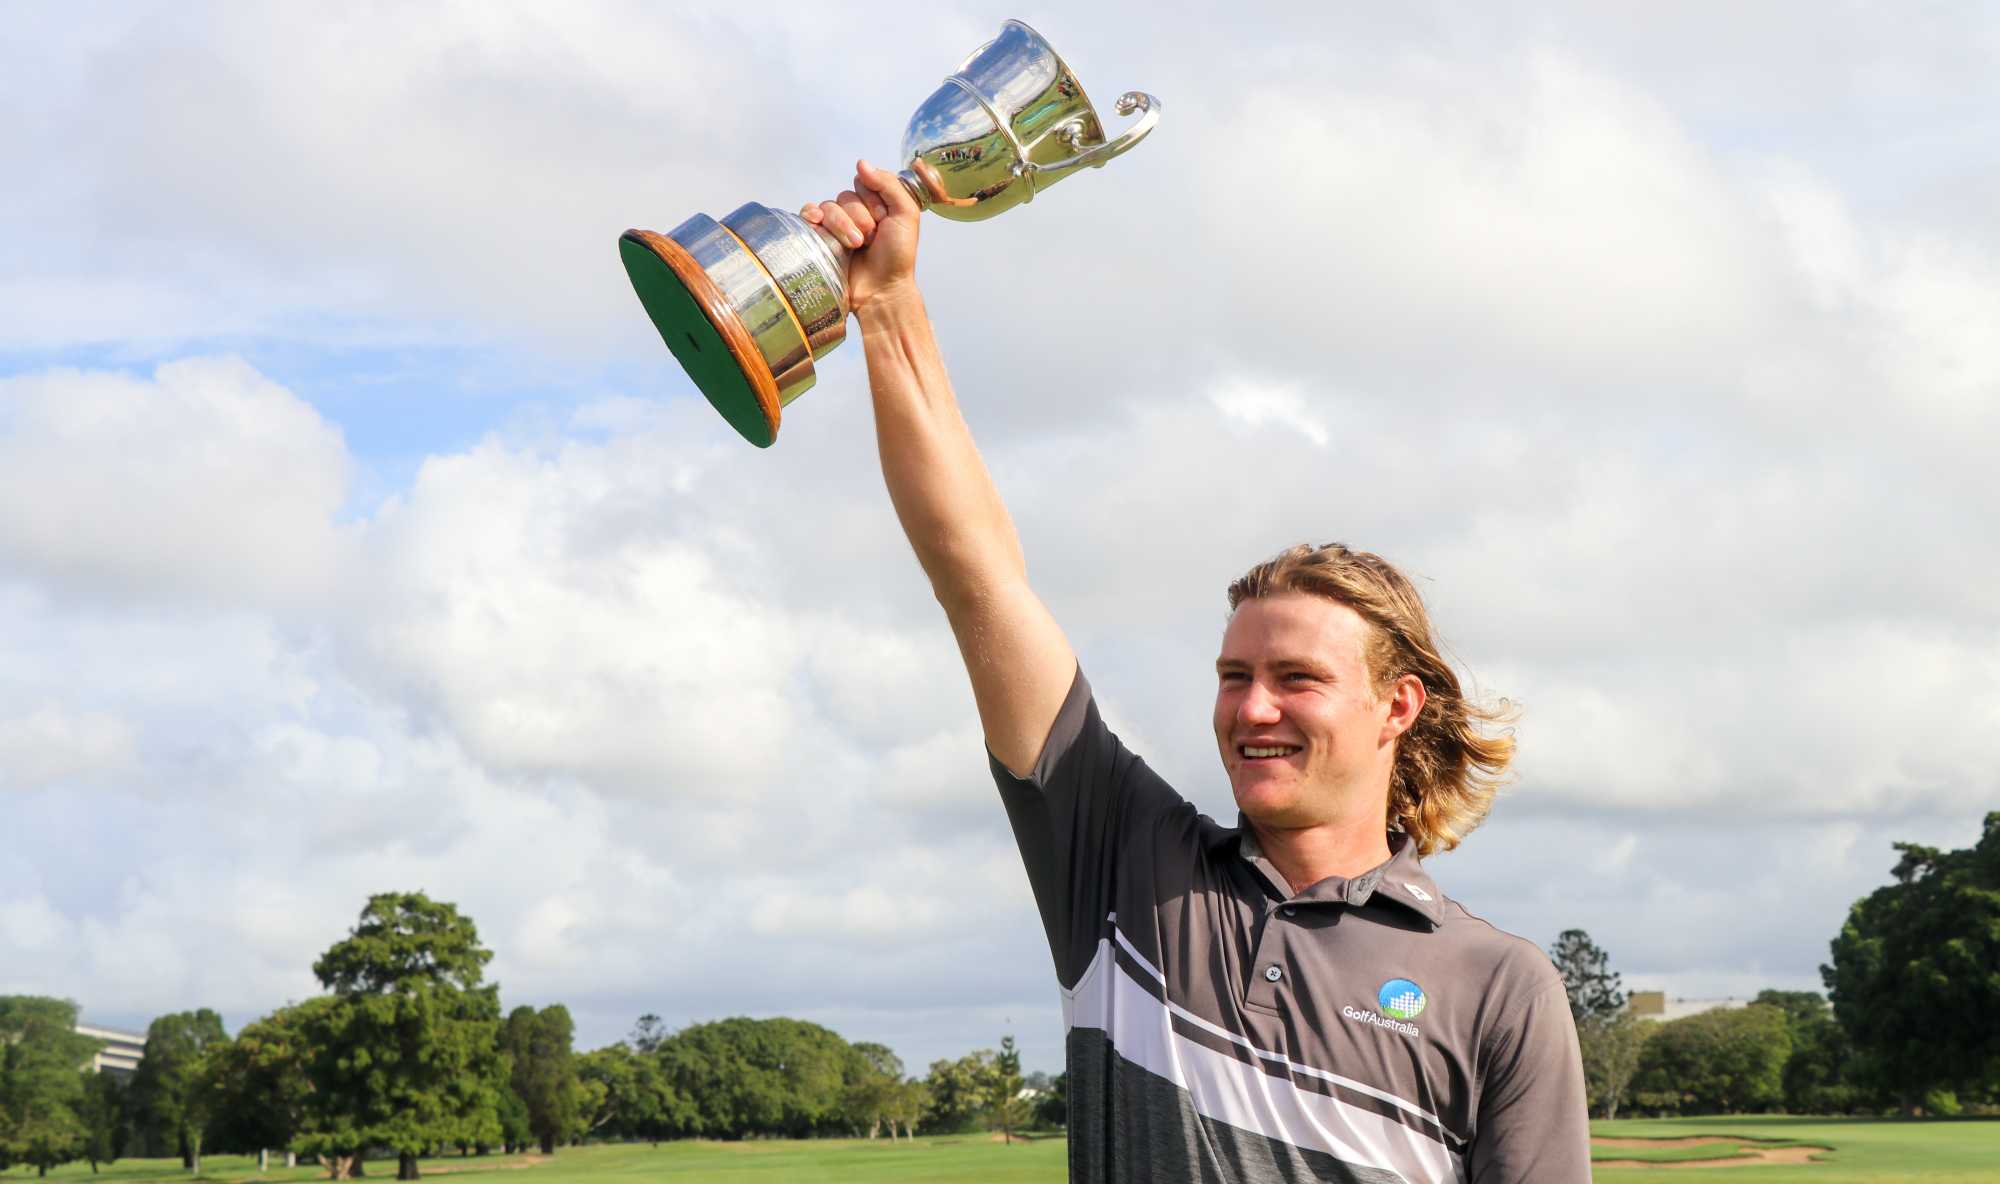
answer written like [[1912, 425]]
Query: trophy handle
[[1130, 101]]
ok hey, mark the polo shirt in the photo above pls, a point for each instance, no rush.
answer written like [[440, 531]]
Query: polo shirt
[[1222, 1027]]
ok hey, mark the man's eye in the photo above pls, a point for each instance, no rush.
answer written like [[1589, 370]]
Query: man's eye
[[1232, 675]]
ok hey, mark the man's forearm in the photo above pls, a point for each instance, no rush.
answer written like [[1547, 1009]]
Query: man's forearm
[[1020, 665], [942, 493]]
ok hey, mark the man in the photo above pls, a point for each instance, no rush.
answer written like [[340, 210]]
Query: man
[[1289, 999]]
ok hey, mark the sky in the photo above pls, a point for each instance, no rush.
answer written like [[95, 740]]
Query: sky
[[357, 533]]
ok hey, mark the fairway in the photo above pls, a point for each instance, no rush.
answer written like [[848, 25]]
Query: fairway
[[968, 1158], [1863, 1151], [1872, 1150]]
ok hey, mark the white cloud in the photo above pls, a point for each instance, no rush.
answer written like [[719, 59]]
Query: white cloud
[[31, 926], [49, 744], [1256, 406], [1942, 301], [450, 166], [1531, 213], [206, 482], [553, 642]]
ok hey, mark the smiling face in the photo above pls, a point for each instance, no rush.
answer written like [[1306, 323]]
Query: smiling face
[[1303, 733]]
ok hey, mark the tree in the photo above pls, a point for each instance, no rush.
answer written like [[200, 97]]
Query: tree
[[42, 1093], [544, 1075], [606, 1080], [1915, 973], [205, 1100], [171, 1104], [337, 1084], [957, 1092], [1725, 1061], [516, 1126], [102, 1111], [262, 1080], [648, 1033], [1052, 1108], [1610, 1038], [1006, 1109], [1611, 1047], [1817, 1078], [405, 1050], [907, 1106], [874, 1075], [745, 1076], [1587, 976], [626, 1093]]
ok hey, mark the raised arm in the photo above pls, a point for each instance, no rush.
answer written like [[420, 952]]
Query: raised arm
[[1020, 664]]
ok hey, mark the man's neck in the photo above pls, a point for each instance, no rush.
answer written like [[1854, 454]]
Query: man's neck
[[1308, 855]]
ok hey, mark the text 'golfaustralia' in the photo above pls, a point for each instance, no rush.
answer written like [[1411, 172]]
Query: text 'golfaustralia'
[[1400, 1001]]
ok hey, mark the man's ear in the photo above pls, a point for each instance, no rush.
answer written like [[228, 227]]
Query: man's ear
[[1406, 701]]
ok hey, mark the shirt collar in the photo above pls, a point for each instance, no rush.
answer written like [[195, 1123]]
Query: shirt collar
[[1400, 880], [1405, 881]]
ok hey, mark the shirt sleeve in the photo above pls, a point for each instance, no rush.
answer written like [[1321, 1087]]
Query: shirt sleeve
[[1534, 1121], [1070, 815]]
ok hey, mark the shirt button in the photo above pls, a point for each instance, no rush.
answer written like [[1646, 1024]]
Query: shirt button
[[1273, 974], [1288, 910]]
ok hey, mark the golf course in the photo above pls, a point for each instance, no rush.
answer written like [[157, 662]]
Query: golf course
[[1773, 1150]]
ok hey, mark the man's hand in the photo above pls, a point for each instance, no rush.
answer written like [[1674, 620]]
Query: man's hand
[[877, 220]]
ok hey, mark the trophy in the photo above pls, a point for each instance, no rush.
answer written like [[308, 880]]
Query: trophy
[[749, 303]]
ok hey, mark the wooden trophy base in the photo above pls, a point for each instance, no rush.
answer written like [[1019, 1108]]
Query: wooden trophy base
[[704, 333]]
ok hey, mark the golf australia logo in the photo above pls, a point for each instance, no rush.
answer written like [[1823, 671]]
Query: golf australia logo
[[1397, 1003], [1401, 998]]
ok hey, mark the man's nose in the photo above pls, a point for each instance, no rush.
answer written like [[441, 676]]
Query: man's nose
[[1258, 705]]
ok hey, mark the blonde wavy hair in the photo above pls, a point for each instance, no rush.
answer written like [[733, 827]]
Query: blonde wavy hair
[[1454, 757]]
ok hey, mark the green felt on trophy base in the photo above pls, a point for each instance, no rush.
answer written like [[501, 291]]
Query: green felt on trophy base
[[695, 341]]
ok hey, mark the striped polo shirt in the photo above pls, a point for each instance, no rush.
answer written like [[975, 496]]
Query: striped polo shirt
[[1221, 1027]]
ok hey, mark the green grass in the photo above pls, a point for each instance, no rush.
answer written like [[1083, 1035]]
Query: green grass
[[1862, 1151], [943, 1158]]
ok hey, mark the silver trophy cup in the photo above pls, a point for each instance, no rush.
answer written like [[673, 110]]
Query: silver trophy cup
[[747, 304]]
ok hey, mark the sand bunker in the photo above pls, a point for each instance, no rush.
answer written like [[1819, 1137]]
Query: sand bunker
[[1754, 1155]]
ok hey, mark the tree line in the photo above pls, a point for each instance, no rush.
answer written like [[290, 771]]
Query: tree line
[[1913, 984], [408, 1055]]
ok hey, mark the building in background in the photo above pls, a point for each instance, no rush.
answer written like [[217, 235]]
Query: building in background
[[121, 1052], [1654, 1005]]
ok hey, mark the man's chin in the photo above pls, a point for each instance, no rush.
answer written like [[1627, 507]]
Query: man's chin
[[1270, 805]]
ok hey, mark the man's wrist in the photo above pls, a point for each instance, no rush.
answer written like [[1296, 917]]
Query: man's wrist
[[891, 309]]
